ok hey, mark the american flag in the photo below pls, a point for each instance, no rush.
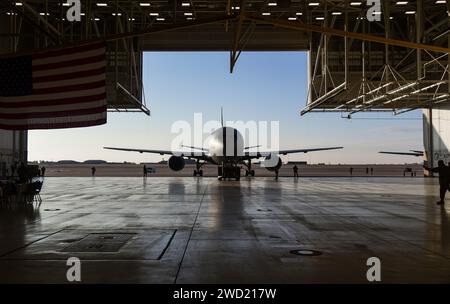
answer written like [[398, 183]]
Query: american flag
[[62, 88]]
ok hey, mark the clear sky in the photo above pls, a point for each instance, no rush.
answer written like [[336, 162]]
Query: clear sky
[[265, 86]]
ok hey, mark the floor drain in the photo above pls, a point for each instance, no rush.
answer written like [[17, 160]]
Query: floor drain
[[306, 252]]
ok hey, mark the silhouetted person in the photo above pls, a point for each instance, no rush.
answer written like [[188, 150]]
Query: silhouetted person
[[351, 171], [371, 171], [367, 171], [93, 171], [444, 179], [43, 171], [295, 168], [145, 171], [22, 172], [276, 173]]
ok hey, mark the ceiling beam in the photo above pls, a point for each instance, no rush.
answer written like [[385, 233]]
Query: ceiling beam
[[335, 32]]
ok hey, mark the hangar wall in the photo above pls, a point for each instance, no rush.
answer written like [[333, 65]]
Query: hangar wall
[[439, 133], [13, 144]]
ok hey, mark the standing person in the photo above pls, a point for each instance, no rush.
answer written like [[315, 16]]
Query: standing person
[[276, 173], [43, 171], [351, 171], [367, 171], [295, 171], [93, 171], [444, 179], [145, 171], [371, 171]]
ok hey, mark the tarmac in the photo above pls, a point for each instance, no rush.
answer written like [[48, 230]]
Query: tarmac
[[201, 230]]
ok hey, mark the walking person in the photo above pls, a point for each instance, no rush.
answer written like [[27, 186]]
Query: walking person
[[43, 171], [145, 171], [444, 179], [295, 168], [93, 171]]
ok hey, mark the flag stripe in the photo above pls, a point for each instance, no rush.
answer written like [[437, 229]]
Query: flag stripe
[[69, 63], [68, 51], [69, 69], [36, 121], [68, 82], [52, 114], [72, 75], [65, 57], [61, 125], [43, 108], [33, 99], [77, 87]]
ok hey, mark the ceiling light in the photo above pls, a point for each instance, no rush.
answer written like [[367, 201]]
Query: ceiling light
[[154, 14], [131, 19], [18, 3], [102, 4], [410, 12], [292, 18], [144, 4], [320, 18], [44, 14], [299, 14], [235, 7], [265, 14], [437, 2], [336, 13], [401, 2], [185, 4], [160, 19], [313, 3], [355, 3], [189, 18], [188, 14], [118, 14], [272, 4]]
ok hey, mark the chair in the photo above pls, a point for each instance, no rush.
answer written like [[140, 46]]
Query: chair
[[33, 192]]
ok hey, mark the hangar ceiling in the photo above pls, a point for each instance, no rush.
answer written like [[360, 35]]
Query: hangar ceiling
[[397, 63]]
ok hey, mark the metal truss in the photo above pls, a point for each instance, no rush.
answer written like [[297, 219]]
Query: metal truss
[[396, 64]]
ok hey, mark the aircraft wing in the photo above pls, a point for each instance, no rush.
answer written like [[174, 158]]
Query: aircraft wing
[[285, 152], [189, 154], [415, 153]]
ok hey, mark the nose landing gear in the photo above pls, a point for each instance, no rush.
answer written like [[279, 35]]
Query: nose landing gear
[[198, 171], [229, 171]]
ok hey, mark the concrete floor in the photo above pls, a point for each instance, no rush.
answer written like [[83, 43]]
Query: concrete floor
[[194, 230]]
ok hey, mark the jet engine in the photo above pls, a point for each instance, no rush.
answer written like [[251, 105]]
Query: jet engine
[[272, 162], [176, 163]]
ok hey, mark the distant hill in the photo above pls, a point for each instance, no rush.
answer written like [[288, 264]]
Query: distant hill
[[95, 162]]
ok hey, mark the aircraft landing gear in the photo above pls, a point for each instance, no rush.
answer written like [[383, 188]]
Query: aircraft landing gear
[[198, 171], [249, 170], [229, 171]]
